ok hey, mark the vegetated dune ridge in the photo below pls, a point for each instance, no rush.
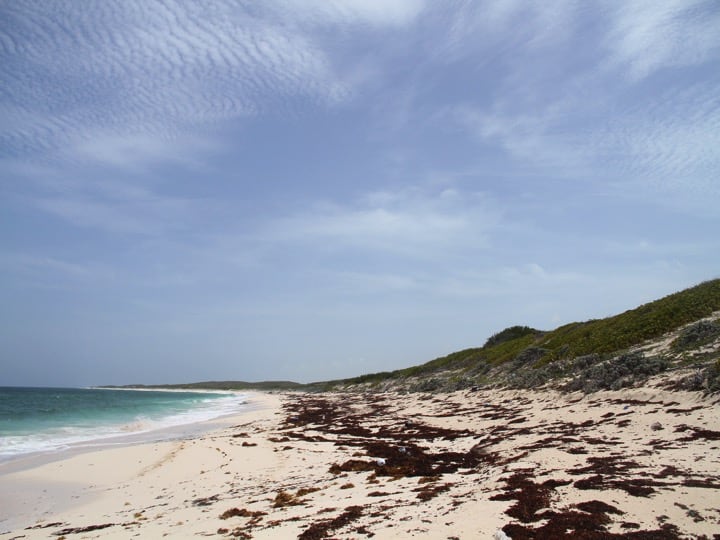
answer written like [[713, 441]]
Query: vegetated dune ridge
[[679, 333]]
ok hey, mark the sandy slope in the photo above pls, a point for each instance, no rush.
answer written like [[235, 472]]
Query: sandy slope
[[632, 464]]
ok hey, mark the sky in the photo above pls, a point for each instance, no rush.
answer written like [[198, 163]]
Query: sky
[[308, 190]]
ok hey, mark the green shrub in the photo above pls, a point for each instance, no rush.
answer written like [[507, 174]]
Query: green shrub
[[697, 334], [616, 373], [528, 356], [632, 327], [705, 380], [509, 334], [427, 385]]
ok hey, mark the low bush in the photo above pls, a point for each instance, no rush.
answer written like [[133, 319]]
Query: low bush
[[427, 385], [706, 380], [697, 334], [619, 372], [509, 334]]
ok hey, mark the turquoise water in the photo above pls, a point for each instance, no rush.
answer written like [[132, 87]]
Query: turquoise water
[[48, 419]]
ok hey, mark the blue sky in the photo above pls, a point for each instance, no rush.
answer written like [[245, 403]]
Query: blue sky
[[314, 189]]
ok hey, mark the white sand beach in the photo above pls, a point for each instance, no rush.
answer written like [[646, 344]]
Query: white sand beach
[[641, 463]]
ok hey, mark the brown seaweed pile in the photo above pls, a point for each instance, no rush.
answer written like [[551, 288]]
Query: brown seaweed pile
[[386, 444]]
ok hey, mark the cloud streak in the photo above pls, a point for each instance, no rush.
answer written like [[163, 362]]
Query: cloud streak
[[414, 222], [648, 36], [129, 67], [542, 117]]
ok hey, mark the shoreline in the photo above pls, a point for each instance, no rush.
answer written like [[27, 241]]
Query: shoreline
[[189, 430], [38, 479], [142, 428], [460, 465]]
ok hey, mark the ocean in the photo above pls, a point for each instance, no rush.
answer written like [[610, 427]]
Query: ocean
[[50, 419]]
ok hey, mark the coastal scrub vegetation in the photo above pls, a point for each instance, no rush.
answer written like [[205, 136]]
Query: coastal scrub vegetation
[[588, 356], [632, 327], [700, 333], [509, 334]]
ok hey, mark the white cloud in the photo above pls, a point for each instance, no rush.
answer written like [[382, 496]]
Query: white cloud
[[656, 250], [569, 105], [53, 271], [533, 136], [96, 215], [150, 69], [590, 124], [374, 12], [362, 283], [137, 151], [648, 35], [118, 208], [409, 222], [508, 281], [489, 30], [670, 144]]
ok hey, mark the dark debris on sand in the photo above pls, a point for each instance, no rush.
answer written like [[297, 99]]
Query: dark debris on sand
[[320, 529], [79, 530], [586, 521], [383, 443]]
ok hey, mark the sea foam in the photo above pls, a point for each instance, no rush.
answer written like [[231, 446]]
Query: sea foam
[[52, 420]]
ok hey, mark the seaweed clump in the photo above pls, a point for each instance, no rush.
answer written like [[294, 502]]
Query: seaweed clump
[[320, 529]]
